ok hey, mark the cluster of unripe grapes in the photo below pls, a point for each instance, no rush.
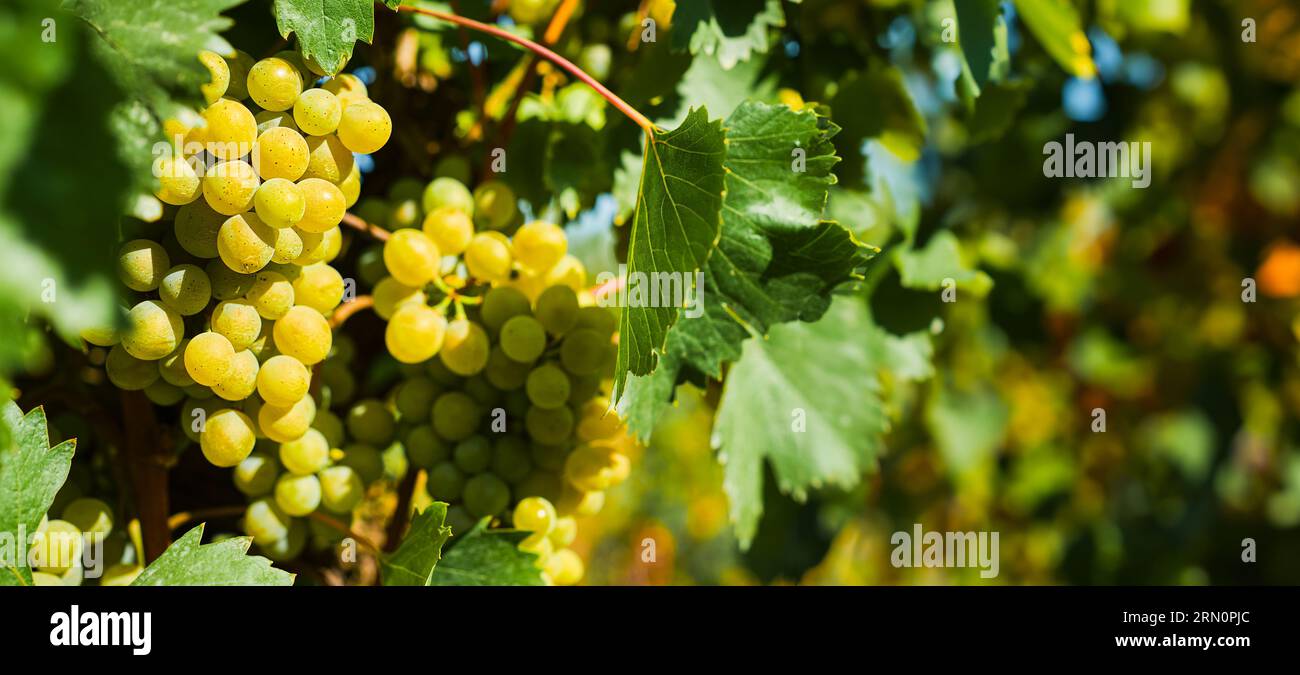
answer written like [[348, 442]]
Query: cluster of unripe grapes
[[56, 548]]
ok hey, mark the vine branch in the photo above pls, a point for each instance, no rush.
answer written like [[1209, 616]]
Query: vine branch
[[355, 222]]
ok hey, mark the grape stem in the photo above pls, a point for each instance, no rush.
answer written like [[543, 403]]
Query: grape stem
[[355, 222], [347, 309], [178, 519], [342, 527], [641, 120]]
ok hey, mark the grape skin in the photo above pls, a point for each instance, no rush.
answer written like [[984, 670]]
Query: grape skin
[[325, 205], [185, 289], [523, 339], [274, 84], [141, 264], [229, 187], [152, 331], [280, 203], [539, 245], [364, 127], [317, 112], [196, 229], [288, 423], [411, 257], [303, 334], [227, 438], [238, 321], [306, 455], [272, 295], [280, 152], [241, 380], [488, 257], [208, 357]]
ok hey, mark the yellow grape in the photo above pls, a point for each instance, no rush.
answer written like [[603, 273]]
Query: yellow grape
[[325, 205], [451, 229], [256, 474], [178, 184], [494, 205], [279, 203], [303, 334], [196, 229], [218, 75], [238, 321], [564, 532], [287, 246], [274, 84], [341, 488], [283, 380], [306, 455], [271, 294], [127, 372], [539, 245], [101, 337], [415, 333], [488, 257], [317, 112], [564, 567], [328, 159], [229, 187], [152, 331], [364, 127], [390, 294], [287, 423], [568, 272], [297, 495], [348, 88], [319, 287], [266, 523], [351, 186], [245, 243], [227, 283], [333, 244], [465, 348], [238, 66], [314, 247], [534, 514], [172, 367], [412, 257], [186, 289], [230, 131], [280, 152], [241, 380], [208, 357], [141, 264], [589, 469], [228, 437], [56, 547]]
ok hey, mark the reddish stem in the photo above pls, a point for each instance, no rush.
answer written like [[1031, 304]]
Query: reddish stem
[[355, 222]]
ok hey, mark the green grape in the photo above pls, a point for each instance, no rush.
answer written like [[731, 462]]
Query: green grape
[[218, 75], [516, 401], [557, 309], [523, 339], [196, 229], [185, 289], [229, 187], [238, 321], [455, 167], [539, 245], [280, 203], [424, 447], [549, 457], [172, 367], [141, 264], [505, 373], [568, 272], [583, 387], [330, 426], [486, 495], [451, 229], [298, 496], [152, 331], [341, 489], [286, 423], [290, 546], [178, 184], [364, 127], [488, 257], [255, 475], [598, 319], [227, 284], [465, 348], [481, 390], [447, 192], [274, 84], [348, 88], [403, 214], [595, 59], [549, 426], [548, 386], [390, 294], [163, 393], [510, 459], [534, 514], [101, 337], [411, 257], [245, 243], [370, 422], [271, 294], [303, 334], [281, 152], [370, 265], [526, 12], [502, 303], [442, 375], [238, 67], [415, 333], [456, 416], [317, 112], [319, 287], [338, 386], [583, 351], [365, 460], [283, 380], [230, 130], [414, 399], [89, 515], [56, 548], [328, 159], [473, 455], [395, 462], [194, 414], [227, 438], [565, 567], [494, 205], [325, 205], [564, 531], [266, 522], [445, 482], [306, 455], [589, 469]]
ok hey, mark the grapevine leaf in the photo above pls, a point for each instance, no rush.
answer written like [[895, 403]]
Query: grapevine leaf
[[982, 34], [1057, 26], [729, 30], [674, 230], [806, 400], [413, 562], [876, 104], [327, 29], [31, 473], [483, 557], [189, 562], [927, 268]]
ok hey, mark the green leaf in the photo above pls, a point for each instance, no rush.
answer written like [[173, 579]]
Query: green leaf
[[31, 473], [996, 110], [927, 268], [1057, 26], [413, 562], [729, 30], [806, 400], [483, 557], [189, 562], [876, 104], [967, 424], [327, 29], [674, 231], [982, 34]]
